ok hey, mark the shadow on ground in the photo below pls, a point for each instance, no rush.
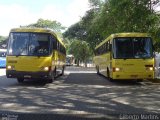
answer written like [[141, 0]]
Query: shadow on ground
[[82, 95], [94, 79]]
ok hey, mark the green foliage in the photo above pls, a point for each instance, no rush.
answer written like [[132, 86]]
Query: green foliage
[[2, 38], [54, 25], [3, 42], [67, 43], [76, 31], [116, 16], [82, 29], [80, 50]]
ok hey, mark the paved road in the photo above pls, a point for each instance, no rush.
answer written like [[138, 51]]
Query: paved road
[[80, 92]]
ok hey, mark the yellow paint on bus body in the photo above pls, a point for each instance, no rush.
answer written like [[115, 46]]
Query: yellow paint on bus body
[[123, 69], [35, 64]]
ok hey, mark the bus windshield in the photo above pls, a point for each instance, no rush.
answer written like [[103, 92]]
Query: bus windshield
[[133, 47], [33, 44]]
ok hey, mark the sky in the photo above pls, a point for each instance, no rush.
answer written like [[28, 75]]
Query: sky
[[15, 13]]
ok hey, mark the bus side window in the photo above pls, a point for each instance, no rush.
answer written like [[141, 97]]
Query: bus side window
[[99, 51], [58, 46], [54, 43], [61, 48], [110, 46], [106, 47], [64, 51]]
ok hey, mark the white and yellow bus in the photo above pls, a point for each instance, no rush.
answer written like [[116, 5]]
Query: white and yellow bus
[[125, 56], [34, 53]]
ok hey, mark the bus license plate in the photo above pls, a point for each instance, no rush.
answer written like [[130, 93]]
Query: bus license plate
[[27, 76], [134, 76]]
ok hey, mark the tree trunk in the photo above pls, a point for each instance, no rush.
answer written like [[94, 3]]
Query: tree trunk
[[85, 63], [78, 62]]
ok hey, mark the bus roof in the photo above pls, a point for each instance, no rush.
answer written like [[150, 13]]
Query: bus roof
[[132, 34], [37, 30]]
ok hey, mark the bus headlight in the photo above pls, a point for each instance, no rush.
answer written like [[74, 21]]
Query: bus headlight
[[9, 67], [149, 68], [46, 68], [116, 69]]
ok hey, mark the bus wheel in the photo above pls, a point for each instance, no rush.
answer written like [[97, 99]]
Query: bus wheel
[[55, 73], [20, 80], [97, 68], [139, 80], [108, 76], [50, 80], [53, 76]]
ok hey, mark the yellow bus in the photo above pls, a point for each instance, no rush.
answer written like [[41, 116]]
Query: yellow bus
[[125, 56], [34, 53]]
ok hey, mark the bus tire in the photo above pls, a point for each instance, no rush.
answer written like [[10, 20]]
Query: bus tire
[[55, 73], [108, 75], [20, 80], [139, 80], [53, 76], [63, 70], [97, 69], [50, 80]]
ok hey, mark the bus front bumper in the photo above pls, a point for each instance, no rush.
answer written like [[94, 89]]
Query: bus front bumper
[[134, 76], [28, 75]]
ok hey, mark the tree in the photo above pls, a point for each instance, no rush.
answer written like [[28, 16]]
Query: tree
[[115, 16], [3, 42], [82, 29], [76, 31], [80, 50], [54, 25], [67, 43], [2, 38]]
